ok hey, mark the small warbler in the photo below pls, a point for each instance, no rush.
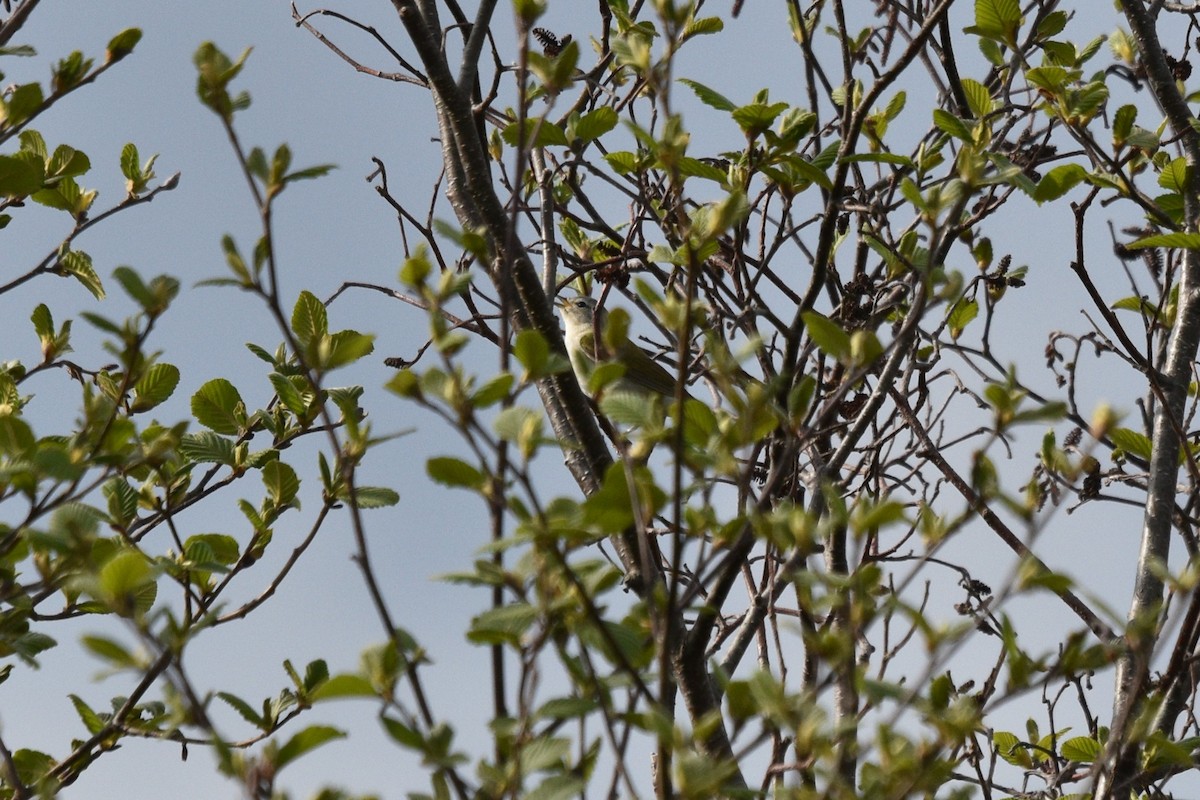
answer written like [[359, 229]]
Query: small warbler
[[584, 320]]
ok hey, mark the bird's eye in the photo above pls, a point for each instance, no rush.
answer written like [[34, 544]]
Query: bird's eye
[[580, 304]]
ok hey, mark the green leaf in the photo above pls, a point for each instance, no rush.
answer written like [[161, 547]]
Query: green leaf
[[110, 651], [67, 162], [345, 347], [454, 472], [703, 26], [309, 318], [979, 99], [20, 177], [340, 687], [622, 161], [532, 350], [1123, 124], [709, 97], [1131, 442], [220, 549], [1083, 749], [502, 625], [122, 44], [374, 496], [16, 437], [755, 118], [19, 104], [521, 425], [91, 720], [960, 316], [217, 405], [1178, 239], [43, 322], [156, 385], [208, 447], [79, 264], [827, 335], [948, 123], [244, 709], [126, 583], [493, 391], [610, 509], [1173, 177], [997, 19], [281, 482], [595, 124], [122, 501], [1058, 181], [305, 741], [548, 134]]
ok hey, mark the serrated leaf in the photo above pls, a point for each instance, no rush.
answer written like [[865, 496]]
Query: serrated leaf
[[290, 392], [207, 447], [754, 118], [79, 264], [1083, 749], [596, 123], [218, 405], [281, 482], [221, 549], [126, 583], [122, 500], [345, 347], [375, 496], [244, 709], [1179, 239], [154, 387], [1173, 177], [979, 99], [709, 97], [948, 123], [309, 318], [960, 316]]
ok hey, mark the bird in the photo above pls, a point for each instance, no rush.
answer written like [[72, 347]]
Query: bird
[[583, 319]]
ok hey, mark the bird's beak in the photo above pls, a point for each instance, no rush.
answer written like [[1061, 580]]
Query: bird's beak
[[560, 302]]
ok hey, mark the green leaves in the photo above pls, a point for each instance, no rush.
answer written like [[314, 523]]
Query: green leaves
[[274, 176], [997, 19], [216, 72], [137, 175], [322, 350]]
